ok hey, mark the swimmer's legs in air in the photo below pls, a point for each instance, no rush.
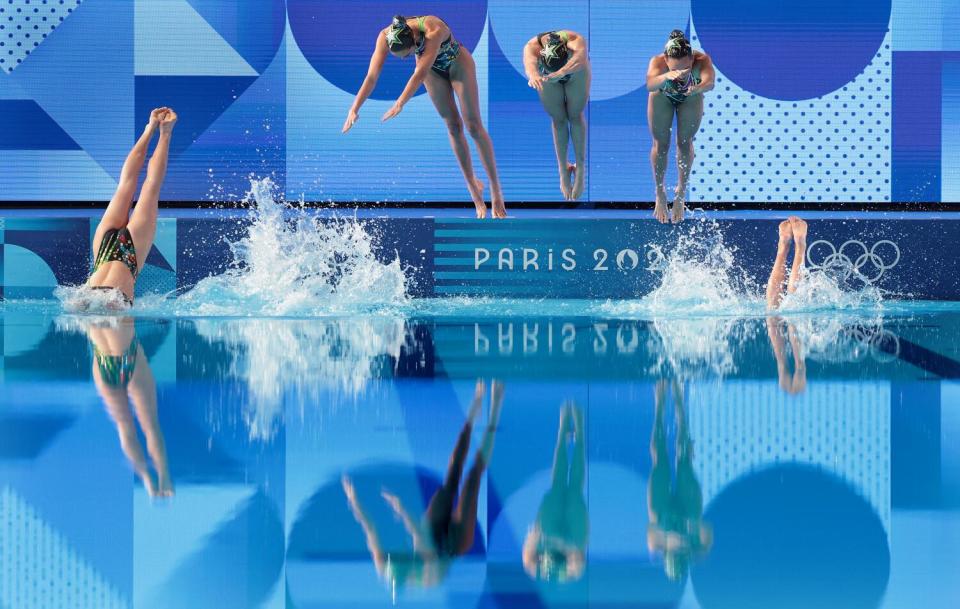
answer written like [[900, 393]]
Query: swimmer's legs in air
[[792, 230]]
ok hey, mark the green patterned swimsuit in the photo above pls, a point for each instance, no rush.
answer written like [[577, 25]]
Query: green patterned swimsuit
[[117, 246]]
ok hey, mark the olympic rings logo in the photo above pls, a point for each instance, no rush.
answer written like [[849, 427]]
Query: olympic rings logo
[[854, 258]]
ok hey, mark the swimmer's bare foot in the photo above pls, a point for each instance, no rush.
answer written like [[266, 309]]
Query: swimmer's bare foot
[[476, 193], [477, 406], [579, 180], [799, 227], [499, 208], [786, 233], [660, 209], [566, 181], [679, 206]]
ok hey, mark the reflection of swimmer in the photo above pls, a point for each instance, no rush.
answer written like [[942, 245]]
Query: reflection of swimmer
[[448, 526], [676, 80], [555, 547], [796, 383], [120, 235], [675, 503], [445, 68], [558, 68], [122, 375], [794, 230]]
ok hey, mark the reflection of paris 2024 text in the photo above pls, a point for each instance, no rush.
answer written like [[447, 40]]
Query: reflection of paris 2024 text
[[561, 337], [533, 259]]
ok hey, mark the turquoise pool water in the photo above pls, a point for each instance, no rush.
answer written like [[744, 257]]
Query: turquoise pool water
[[620, 455]]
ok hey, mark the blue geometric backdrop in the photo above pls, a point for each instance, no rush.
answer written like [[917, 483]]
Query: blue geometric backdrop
[[816, 100]]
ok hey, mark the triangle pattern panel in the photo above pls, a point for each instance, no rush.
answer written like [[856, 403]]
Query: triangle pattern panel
[[207, 97], [172, 39], [91, 56], [248, 138], [9, 89], [25, 24], [254, 28], [25, 126]]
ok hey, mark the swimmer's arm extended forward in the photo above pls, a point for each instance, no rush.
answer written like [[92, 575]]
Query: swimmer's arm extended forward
[[377, 60], [431, 49], [531, 54]]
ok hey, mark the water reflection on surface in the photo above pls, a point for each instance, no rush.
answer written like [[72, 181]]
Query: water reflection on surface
[[790, 461]]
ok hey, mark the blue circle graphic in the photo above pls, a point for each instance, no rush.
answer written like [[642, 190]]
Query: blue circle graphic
[[794, 49], [338, 42]]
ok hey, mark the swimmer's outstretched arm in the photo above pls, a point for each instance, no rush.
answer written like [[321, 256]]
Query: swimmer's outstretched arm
[[431, 48], [531, 53], [579, 60], [377, 60], [369, 531], [708, 76]]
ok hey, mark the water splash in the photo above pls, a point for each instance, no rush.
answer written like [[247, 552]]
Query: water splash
[[702, 276], [699, 347], [82, 299], [293, 263], [302, 363]]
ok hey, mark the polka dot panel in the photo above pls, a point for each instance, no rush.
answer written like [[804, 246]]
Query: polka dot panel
[[841, 427], [835, 147], [25, 24]]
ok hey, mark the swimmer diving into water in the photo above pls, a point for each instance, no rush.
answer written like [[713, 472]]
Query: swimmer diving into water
[[676, 80], [555, 548], [447, 529], [122, 375], [445, 68], [792, 230], [120, 235], [558, 68]]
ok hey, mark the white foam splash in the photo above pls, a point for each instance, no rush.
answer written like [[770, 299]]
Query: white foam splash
[[292, 263], [302, 362], [82, 299], [699, 347], [702, 276]]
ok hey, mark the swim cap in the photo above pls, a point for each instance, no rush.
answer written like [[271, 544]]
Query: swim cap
[[677, 45], [554, 53], [399, 35]]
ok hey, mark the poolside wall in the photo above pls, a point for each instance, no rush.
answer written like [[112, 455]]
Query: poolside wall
[[910, 255]]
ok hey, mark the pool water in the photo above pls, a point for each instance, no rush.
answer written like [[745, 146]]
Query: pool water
[[481, 454]]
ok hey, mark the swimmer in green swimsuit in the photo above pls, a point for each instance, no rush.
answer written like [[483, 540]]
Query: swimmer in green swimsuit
[[676, 80], [120, 235], [122, 375], [447, 70], [558, 69], [447, 529], [556, 545], [674, 498]]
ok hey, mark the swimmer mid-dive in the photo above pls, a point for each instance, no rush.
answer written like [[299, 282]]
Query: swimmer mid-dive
[[676, 80], [794, 230], [558, 68], [445, 68], [120, 235], [447, 529], [122, 375], [555, 548]]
